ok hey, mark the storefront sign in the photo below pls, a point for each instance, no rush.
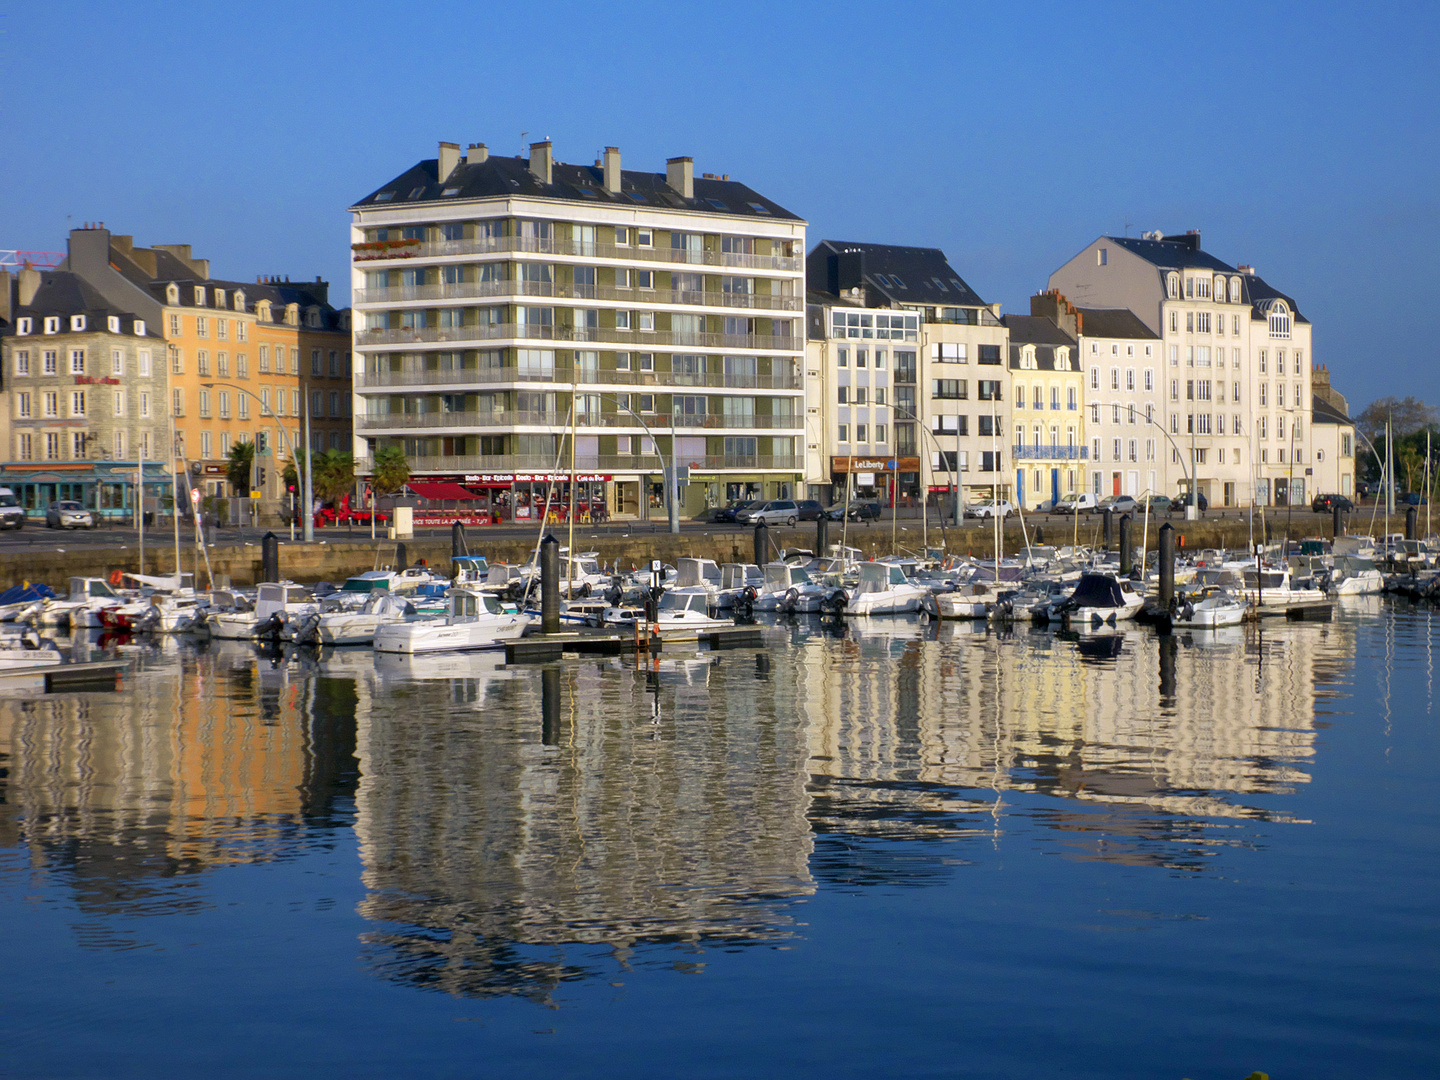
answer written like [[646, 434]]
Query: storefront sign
[[95, 380], [865, 479], [446, 517], [874, 464], [490, 479]]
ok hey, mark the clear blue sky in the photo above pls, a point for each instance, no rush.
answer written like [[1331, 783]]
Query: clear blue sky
[[1298, 137]]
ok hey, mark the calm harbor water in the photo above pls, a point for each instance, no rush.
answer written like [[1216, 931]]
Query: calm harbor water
[[896, 850]]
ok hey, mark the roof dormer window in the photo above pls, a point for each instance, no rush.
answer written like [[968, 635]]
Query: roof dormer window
[[1219, 288], [292, 314], [113, 322], [139, 327], [24, 326], [172, 295], [77, 324], [312, 318], [219, 298], [199, 295], [52, 324], [239, 300], [1235, 290], [262, 311], [1172, 286]]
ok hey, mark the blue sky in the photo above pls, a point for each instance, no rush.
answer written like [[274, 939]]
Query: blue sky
[[1300, 138]]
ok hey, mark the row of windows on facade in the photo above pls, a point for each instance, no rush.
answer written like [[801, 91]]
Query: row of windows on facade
[[78, 324], [79, 401], [540, 275], [543, 235], [1278, 323], [547, 404], [1199, 356], [264, 311], [959, 461], [48, 362], [211, 441], [81, 445]]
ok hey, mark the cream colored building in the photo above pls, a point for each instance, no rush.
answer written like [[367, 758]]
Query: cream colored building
[[1234, 365]]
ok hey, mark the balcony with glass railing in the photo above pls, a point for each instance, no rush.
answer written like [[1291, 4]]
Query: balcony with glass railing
[[538, 463], [644, 341], [643, 298], [1038, 452], [471, 420], [401, 252], [491, 375]]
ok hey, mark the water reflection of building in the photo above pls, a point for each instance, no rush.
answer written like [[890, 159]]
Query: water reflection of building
[[1149, 736], [583, 804], [202, 761]]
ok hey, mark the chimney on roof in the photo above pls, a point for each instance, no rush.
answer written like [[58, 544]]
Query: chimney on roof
[[123, 243], [1246, 269], [541, 163], [1052, 305], [449, 158], [199, 267], [29, 284], [476, 153], [612, 169], [680, 175]]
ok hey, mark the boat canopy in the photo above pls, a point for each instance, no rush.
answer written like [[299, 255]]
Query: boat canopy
[[83, 588], [1097, 591], [691, 572], [368, 582], [880, 577]]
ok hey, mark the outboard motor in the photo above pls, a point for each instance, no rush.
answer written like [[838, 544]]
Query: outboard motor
[[272, 626]]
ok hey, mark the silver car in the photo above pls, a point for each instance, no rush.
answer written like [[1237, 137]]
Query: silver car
[[774, 512], [65, 514]]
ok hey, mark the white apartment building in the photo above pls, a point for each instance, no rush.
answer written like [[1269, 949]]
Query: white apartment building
[[1233, 367], [494, 295], [908, 385]]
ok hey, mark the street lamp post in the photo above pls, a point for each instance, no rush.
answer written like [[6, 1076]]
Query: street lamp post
[[672, 486], [1193, 510], [309, 529]]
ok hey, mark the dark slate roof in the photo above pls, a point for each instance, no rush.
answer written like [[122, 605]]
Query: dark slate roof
[[891, 274], [1173, 252], [503, 177], [1258, 290], [1036, 330], [1322, 412], [1114, 323], [63, 293], [1040, 332]]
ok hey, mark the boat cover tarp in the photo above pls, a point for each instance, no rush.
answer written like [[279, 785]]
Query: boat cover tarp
[[1098, 591]]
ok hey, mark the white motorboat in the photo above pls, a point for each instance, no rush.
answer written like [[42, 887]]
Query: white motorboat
[[348, 626], [81, 609], [973, 600], [1355, 576], [735, 578], [274, 603], [680, 612], [1099, 600], [1273, 586], [701, 574], [1209, 609], [476, 620], [885, 590], [788, 589], [27, 649]]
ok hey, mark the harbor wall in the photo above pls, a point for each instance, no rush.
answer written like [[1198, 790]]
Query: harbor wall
[[326, 560]]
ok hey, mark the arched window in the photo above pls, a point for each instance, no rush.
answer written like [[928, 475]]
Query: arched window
[[1219, 288], [1235, 290], [1172, 285]]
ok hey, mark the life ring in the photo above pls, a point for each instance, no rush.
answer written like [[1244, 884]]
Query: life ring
[[117, 576]]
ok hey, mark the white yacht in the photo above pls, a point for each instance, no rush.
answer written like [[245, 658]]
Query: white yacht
[[789, 589], [1273, 586], [1099, 600], [349, 626], [735, 578], [885, 590], [701, 574], [973, 600], [27, 649], [476, 620], [1354, 576], [680, 612], [274, 603]]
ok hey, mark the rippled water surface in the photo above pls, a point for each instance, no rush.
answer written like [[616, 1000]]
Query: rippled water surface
[[892, 850]]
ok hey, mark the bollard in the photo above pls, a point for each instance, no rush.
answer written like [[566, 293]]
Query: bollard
[[1410, 516], [270, 557], [550, 705], [1109, 528], [457, 540], [762, 543], [822, 534], [550, 585], [1039, 534], [1126, 555], [1339, 516], [1167, 565], [401, 555]]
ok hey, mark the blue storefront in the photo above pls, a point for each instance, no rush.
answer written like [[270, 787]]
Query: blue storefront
[[106, 487]]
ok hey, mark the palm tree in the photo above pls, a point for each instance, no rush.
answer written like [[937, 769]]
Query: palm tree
[[332, 475], [241, 458], [391, 470]]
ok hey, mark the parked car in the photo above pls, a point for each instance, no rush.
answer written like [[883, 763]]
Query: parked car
[[1046, 507], [774, 512], [1410, 498], [1118, 504], [726, 514], [1181, 501], [1158, 504], [65, 514], [810, 509], [1323, 504], [12, 514], [857, 511], [988, 508], [1077, 503]]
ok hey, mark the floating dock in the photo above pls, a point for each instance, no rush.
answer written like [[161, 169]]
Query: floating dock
[[55, 678]]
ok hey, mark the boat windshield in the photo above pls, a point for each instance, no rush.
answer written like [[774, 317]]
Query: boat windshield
[[673, 601], [798, 576]]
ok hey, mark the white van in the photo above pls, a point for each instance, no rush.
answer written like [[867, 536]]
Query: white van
[[12, 514], [1081, 503]]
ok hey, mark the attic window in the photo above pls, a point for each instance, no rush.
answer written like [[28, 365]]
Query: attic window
[[139, 327], [415, 193], [23, 326], [758, 208], [881, 279], [113, 322], [587, 193], [52, 324], [939, 284], [199, 295], [449, 191], [635, 196], [897, 282], [385, 196], [956, 282], [77, 323], [717, 204]]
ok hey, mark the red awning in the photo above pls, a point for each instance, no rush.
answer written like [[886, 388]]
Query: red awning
[[437, 489]]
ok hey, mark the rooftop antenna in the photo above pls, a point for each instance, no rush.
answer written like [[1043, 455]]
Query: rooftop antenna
[[1128, 223], [522, 142]]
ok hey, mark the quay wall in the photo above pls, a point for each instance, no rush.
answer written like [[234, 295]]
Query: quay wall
[[326, 560]]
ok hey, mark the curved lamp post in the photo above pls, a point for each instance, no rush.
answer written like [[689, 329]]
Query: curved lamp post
[[309, 528]]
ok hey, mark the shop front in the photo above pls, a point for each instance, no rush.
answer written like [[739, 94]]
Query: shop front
[[534, 497], [107, 488], [877, 478]]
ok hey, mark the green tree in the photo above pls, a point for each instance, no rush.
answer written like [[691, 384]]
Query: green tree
[[391, 470], [294, 469], [332, 475], [237, 471]]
